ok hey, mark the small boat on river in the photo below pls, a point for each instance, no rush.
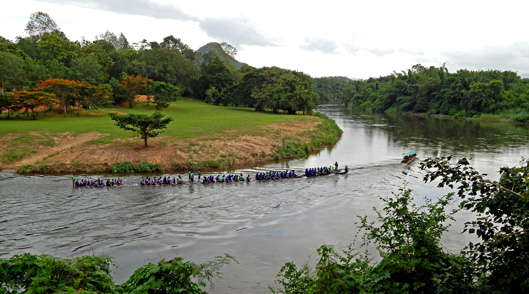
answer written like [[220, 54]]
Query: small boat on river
[[409, 157]]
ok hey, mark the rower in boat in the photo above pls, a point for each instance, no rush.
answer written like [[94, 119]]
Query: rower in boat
[[409, 157]]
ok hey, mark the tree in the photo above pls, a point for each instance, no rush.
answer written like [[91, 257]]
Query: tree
[[134, 85], [11, 70], [228, 49], [502, 226], [163, 93], [66, 90], [215, 74], [87, 69], [54, 47], [146, 126], [29, 273], [164, 65], [176, 44], [279, 89], [29, 100], [40, 23]]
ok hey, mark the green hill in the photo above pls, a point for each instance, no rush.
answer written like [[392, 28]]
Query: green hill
[[216, 49]]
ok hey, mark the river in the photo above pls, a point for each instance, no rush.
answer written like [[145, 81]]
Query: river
[[261, 224]]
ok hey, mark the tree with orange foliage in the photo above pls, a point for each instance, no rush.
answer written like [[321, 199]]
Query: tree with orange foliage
[[29, 100], [134, 85], [66, 90]]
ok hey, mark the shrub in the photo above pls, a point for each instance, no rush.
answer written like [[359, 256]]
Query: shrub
[[177, 166], [46, 274], [29, 273], [122, 167]]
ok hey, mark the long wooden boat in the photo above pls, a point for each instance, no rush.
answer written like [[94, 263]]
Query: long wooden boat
[[409, 157], [337, 172]]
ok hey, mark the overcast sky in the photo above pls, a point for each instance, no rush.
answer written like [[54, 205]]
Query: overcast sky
[[356, 39]]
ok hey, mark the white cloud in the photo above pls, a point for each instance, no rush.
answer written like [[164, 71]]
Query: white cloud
[[358, 39]]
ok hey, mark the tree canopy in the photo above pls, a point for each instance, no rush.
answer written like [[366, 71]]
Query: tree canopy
[[144, 125], [434, 90]]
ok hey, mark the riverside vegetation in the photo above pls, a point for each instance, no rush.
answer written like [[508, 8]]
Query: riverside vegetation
[[491, 95], [406, 235]]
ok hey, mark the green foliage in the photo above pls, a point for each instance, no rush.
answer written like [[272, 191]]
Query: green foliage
[[501, 257], [145, 126], [330, 88], [45, 274], [29, 273], [122, 167], [25, 169], [276, 89], [436, 91], [177, 166], [328, 133], [143, 167], [215, 74], [146, 167], [289, 149], [515, 115], [163, 93], [173, 276]]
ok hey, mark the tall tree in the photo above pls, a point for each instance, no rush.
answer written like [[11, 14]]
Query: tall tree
[[54, 47], [11, 70], [86, 68], [66, 90], [172, 43], [39, 24], [229, 49], [214, 74]]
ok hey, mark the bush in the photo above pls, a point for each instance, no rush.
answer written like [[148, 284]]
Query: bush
[[177, 166], [29, 273], [46, 274], [122, 167]]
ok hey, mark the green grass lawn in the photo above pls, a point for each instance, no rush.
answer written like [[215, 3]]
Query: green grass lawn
[[192, 119]]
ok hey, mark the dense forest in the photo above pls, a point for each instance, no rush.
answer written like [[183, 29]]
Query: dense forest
[[432, 90], [46, 69]]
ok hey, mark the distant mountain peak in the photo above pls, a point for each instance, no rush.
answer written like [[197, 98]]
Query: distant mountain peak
[[216, 49]]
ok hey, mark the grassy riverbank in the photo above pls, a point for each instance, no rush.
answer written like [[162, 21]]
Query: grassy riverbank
[[201, 136]]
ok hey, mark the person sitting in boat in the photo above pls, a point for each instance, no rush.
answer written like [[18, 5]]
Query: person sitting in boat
[[346, 169]]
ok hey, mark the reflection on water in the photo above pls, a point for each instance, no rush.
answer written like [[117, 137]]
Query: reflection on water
[[262, 224]]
